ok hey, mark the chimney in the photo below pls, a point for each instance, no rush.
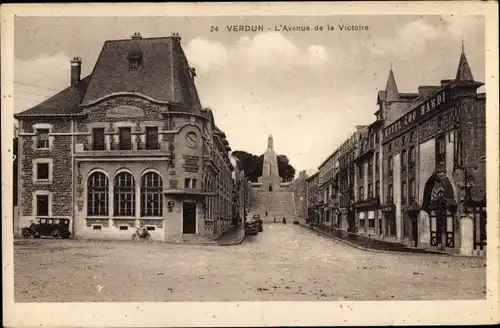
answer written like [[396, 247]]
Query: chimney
[[176, 36], [76, 70], [136, 36], [424, 90]]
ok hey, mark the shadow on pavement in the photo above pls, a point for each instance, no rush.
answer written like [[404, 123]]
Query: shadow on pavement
[[370, 243]]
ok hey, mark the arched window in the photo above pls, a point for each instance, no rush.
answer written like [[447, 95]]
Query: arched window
[[97, 194], [151, 195], [124, 194]]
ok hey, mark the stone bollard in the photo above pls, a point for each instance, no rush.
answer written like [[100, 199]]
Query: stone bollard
[[466, 235]]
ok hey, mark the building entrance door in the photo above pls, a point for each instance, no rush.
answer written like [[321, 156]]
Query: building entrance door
[[188, 218], [442, 228]]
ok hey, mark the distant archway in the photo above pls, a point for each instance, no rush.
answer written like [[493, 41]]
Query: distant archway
[[270, 188]]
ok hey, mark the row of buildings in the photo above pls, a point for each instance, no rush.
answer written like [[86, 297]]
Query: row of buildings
[[129, 146], [416, 174]]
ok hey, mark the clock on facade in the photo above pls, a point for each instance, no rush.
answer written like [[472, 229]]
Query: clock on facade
[[191, 139]]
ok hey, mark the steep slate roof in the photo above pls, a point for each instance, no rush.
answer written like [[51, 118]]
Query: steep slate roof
[[464, 73], [391, 89], [64, 103], [163, 75]]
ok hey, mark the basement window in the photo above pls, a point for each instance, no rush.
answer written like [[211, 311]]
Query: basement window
[[150, 228], [123, 227], [97, 227]]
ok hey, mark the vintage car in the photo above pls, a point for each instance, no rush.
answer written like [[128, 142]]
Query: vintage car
[[259, 221], [251, 227], [54, 227]]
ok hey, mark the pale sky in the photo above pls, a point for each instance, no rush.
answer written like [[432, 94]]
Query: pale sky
[[307, 89]]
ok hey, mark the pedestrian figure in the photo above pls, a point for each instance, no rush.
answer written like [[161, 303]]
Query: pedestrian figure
[[266, 214], [284, 220], [274, 219]]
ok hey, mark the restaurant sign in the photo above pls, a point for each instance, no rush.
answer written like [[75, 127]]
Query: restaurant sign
[[423, 110]]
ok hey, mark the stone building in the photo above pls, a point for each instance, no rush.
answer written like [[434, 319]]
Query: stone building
[[326, 189], [433, 152], [347, 184], [312, 183], [417, 173], [128, 146], [299, 189]]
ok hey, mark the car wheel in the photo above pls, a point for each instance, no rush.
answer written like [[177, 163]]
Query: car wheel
[[26, 233], [55, 234], [65, 235]]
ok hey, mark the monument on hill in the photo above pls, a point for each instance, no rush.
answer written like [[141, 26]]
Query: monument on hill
[[270, 179]]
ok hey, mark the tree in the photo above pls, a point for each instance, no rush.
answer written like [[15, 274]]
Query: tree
[[252, 165], [286, 171]]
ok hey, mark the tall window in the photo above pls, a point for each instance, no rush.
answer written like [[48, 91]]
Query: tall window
[[151, 137], [361, 193], [124, 194], [370, 166], [42, 205], [98, 136], [125, 138], [370, 190], [441, 151], [42, 171], [413, 190], [403, 160], [404, 192], [377, 189], [97, 194], [389, 192], [151, 195], [42, 138], [412, 155], [361, 171], [389, 165], [376, 162]]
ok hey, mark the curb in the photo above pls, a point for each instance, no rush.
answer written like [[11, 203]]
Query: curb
[[386, 252], [234, 243]]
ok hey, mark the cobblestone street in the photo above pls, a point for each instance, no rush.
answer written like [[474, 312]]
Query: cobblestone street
[[283, 263]]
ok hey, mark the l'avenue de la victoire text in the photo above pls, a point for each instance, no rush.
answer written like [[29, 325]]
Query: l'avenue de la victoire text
[[297, 28]]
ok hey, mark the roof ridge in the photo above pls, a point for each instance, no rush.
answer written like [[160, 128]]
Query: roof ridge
[[141, 39]]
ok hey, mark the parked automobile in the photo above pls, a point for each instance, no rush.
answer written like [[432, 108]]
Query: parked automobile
[[251, 227], [259, 221], [57, 228]]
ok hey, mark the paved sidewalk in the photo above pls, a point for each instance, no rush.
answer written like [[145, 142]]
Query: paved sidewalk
[[233, 236], [370, 244]]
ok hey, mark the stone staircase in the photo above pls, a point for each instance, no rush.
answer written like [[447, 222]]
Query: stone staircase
[[276, 204]]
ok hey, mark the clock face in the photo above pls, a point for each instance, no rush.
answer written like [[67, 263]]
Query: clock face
[[191, 139]]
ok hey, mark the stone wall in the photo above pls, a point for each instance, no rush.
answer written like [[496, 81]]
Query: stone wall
[[59, 152]]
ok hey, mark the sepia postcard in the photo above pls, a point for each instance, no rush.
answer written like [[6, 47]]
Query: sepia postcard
[[250, 164]]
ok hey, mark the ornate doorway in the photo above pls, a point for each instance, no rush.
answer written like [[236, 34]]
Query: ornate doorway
[[439, 202]]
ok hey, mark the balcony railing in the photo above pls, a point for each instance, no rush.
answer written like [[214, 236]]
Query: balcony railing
[[94, 146], [148, 145], [121, 146]]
